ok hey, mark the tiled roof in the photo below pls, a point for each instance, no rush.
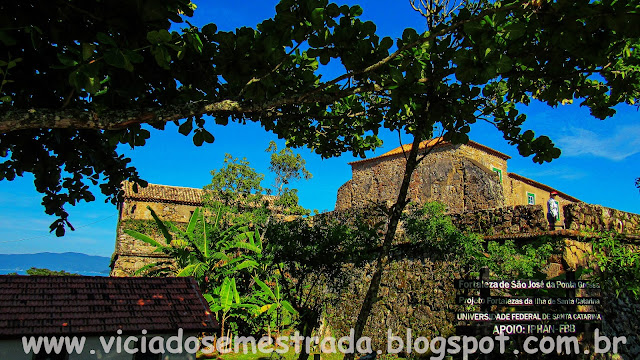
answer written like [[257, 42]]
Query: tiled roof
[[163, 193], [59, 305], [541, 186], [171, 194], [434, 142]]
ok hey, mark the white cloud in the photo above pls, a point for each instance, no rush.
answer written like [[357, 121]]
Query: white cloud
[[618, 145]]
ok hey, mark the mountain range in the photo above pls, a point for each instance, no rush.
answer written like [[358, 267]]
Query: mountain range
[[70, 261]]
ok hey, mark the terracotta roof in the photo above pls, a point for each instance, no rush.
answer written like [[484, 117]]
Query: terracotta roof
[[541, 186], [58, 305], [171, 194], [434, 142], [163, 193]]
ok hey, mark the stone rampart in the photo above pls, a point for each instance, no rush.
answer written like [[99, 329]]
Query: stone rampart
[[583, 216], [460, 182], [519, 219]]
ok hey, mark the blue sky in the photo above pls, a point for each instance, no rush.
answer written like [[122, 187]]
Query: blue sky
[[598, 164]]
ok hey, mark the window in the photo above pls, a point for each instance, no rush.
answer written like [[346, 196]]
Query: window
[[499, 172], [531, 199]]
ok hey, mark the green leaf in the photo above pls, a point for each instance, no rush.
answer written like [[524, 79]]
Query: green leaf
[[87, 50], [287, 306], [396, 75], [234, 290], [133, 56], [317, 16], [209, 29], [6, 39], [356, 10], [196, 42], [265, 288], [92, 85], [162, 56], [409, 35], [504, 64], [193, 221], [142, 237], [115, 57], [226, 295], [250, 264], [209, 298], [163, 229], [207, 137], [165, 36], [153, 37], [147, 267], [198, 138], [188, 271], [386, 43], [65, 59], [186, 127], [105, 39], [333, 10], [324, 59]]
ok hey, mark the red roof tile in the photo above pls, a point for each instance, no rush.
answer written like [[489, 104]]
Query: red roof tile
[[54, 305]]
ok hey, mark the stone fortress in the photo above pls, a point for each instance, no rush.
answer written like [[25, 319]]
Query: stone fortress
[[463, 177], [471, 180], [417, 291]]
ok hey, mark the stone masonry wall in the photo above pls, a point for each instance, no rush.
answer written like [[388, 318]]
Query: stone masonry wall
[[520, 219], [417, 292], [131, 254], [457, 181], [582, 216]]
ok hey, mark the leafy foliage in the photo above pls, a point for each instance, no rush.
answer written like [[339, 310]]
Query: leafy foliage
[[237, 188], [46, 272], [80, 77], [618, 264], [287, 167], [434, 233], [221, 257]]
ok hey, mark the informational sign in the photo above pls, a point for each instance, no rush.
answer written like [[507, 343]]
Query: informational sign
[[526, 306]]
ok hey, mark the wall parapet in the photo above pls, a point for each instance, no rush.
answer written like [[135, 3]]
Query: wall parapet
[[517, 219], [583, 216]]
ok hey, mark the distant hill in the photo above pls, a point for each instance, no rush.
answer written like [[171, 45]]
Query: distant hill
[[70, 261]]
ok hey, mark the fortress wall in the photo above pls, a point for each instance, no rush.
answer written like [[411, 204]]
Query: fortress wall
[[126, 265], [417, 292], [487, 160], [519, 219], [137, 210], [460, 182], [583, 216], [517, 194], [132, 254]]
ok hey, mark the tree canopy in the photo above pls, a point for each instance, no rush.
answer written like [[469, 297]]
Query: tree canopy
[[81, 77]]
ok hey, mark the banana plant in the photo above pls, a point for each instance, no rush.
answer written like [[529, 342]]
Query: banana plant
[[273, 305], [207, 253], [214, 255], [226, 300]]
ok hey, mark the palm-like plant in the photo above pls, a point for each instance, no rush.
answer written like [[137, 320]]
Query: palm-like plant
[[215, 256]]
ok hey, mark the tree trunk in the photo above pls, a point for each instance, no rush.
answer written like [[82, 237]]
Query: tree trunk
[[394, 218], [309, 321]]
